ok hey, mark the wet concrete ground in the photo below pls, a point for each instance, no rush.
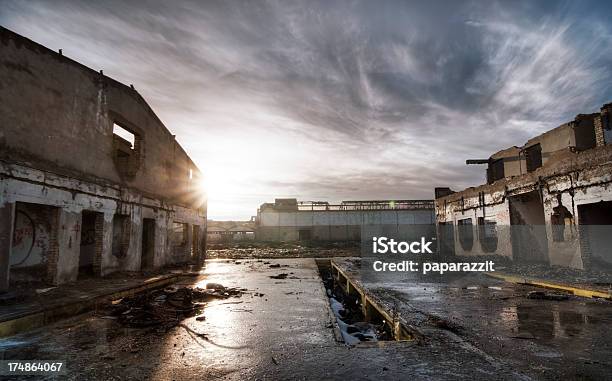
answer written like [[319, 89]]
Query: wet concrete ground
[[568, 339], [284, 334], [30, 301]]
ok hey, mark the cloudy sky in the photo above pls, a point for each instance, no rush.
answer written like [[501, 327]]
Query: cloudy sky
[[339, 100]]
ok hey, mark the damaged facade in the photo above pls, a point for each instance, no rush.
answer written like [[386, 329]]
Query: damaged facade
[[290, 220], [549, 201], [91, 181]]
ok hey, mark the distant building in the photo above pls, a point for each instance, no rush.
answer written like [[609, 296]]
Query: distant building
[[91, 181], [548, 201], [290, 220], [230, 231]]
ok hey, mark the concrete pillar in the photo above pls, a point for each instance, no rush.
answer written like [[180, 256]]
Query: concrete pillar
[[101, 246], [161, 233], [69, 245], [107, 262], [189, 246], [202, 245], [133, 237], [7, 221]]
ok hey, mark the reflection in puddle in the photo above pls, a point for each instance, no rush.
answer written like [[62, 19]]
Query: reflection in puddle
[[8, 343], [536, 321], [216, 272], [542, 323], [212, 339]]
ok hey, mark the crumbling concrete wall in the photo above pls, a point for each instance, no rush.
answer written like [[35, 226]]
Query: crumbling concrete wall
[[53, 110], [583, 133], [562, 186], [32, 227], [512, 161], [492, 207], [578, 134], [588, 186], [63, 194], [76, 107]]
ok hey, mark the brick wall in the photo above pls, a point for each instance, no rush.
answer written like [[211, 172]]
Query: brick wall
[[599, 133], [602, 125]]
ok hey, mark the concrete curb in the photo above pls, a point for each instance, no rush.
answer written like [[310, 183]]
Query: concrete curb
[[38, 318], [578, 291], [330, 313], [403, 332]]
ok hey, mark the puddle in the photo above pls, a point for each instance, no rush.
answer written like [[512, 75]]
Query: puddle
[[10, 343], [354, 327]]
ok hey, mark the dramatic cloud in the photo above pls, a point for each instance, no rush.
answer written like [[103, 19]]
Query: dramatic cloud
[[339, 100]]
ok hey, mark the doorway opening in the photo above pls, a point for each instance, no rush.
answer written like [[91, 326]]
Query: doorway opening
[[195, 242], [596, 234], [91, 242], [305, 234], [148, 243], [528, 229], [32, 257]]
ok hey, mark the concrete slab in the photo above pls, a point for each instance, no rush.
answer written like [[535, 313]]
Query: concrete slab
[[283, 334], [541, 338]]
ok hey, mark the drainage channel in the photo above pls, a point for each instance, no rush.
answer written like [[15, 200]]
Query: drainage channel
[[358, 317]]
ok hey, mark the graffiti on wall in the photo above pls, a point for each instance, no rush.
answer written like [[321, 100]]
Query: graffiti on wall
[[30, 241]]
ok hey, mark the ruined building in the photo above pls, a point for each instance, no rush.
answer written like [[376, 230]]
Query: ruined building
[[91, 181], [549, 201], [230, 231], [289, 220]]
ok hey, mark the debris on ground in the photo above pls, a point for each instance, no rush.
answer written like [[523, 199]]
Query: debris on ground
[[224, 303], [279, 276], [547, 295], [169, 306], [523, 335], [215, 286], [274, 266], [352, 333], [43, 290], [445, 324], [255, 250]]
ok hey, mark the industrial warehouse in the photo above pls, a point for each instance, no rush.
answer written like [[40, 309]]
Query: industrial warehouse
[[105, 187], [548, 201], [290, 220], [272, 190]]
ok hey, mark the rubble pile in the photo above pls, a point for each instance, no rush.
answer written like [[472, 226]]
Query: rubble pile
[[283, 250], [169, 306]]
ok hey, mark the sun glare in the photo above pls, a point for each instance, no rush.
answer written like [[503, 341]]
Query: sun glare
[[217, 186]]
